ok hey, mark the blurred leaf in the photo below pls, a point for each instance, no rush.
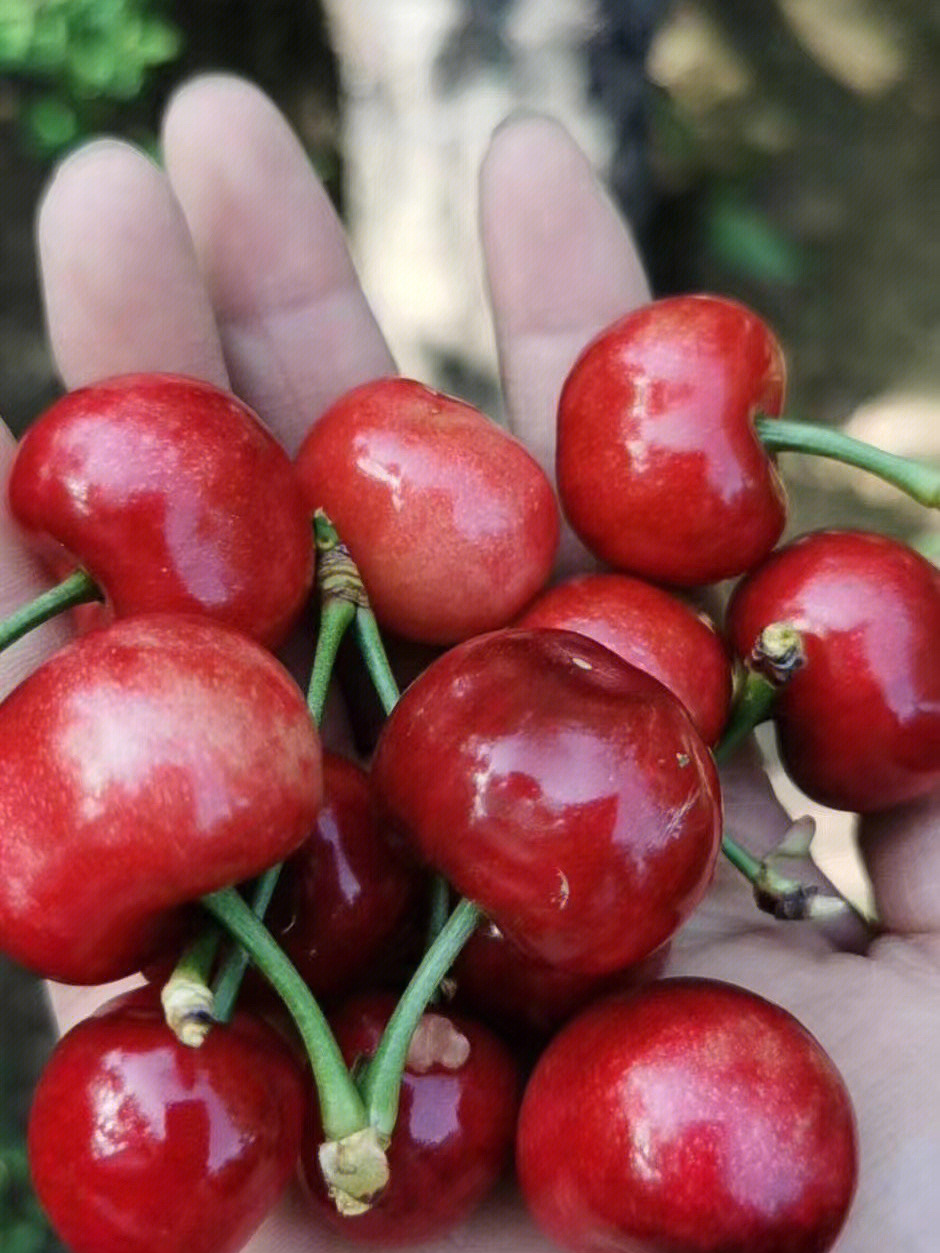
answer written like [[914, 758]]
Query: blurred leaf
[[159, 42], [742, 238], [17, 21], [92, 63], [52, 123], [49, 47]]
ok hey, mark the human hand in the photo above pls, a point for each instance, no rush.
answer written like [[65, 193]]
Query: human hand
[[232, 267]]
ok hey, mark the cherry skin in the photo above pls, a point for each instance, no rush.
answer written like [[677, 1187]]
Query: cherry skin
[[653, 631], [561, 789], [344, 894], [174, 497], [138, 1144], [659, 468], [690, 1115], [858, 724], [142, 766], [453, 525], [526, 999], [455, 1128]]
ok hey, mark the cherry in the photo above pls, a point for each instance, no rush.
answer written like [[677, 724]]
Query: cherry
[[858, 723], [453, 525], [142, 766], [174, 497], [525, 998], [138, 1144], [660, 470], [343, 895], [690, 1115], [653, 631], [455, 1128], [561, 789]]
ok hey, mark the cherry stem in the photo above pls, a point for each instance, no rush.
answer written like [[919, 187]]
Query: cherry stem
[[920, 481], [381, 1085], [229, 981], [77, 589], [753, 706], [188, 1004], [376, 658], [336, 613], [341, 1107]]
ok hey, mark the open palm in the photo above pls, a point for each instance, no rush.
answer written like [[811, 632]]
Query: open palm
[[233, 267]]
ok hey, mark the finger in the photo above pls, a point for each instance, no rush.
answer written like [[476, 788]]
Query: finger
[[560, 265], [902, 850], [121, 284], [296, 328]]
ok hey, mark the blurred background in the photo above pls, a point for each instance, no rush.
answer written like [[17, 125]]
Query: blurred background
[[786, 152]]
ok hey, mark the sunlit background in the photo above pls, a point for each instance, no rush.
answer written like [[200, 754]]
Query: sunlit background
[[783, 151]]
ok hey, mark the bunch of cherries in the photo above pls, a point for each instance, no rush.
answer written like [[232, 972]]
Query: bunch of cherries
[[554, 766]]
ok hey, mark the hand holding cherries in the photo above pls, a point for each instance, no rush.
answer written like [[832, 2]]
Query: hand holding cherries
[[570, 795]]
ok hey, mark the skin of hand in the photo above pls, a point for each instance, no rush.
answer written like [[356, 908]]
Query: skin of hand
[[232, 266]]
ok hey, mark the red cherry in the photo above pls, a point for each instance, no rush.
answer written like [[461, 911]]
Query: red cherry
[[561, 789], [653, 631], [138, 1144], [343, 895], [690, 1115], [142, 766], [174, 497], [455, 1128], [859, 722], [524, 997], [453, 525], [660, 471]]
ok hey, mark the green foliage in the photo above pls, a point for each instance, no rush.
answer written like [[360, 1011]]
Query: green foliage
[[74, 62], [23, 1226]]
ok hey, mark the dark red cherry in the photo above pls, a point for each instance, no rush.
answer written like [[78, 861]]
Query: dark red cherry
[[453, 525], [858, 724], [525, 998], [564, 791], [142, 766], [659, 468], [693, 1116], [174, 497], [653, 631], [138, 1144], [344, 894], [455, 1128]]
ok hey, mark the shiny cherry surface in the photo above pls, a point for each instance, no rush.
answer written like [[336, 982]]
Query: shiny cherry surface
[[138, 1144], [693, 1116], [453, 525], [652, 630], [525, 998], [859, 723], [142, 766], [174, 497], [343, 895], [455, 1128], [564, 791], [659, 469]]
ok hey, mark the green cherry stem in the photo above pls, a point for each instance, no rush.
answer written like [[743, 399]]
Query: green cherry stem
[[229, 981], [188, 1004], [336, 613], [381, 1085], [753, 706], [77, 589], [341, 1107], [376, 658], [918, 480]]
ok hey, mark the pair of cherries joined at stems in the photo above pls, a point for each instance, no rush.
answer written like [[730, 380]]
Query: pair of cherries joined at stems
[[454, 527]]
